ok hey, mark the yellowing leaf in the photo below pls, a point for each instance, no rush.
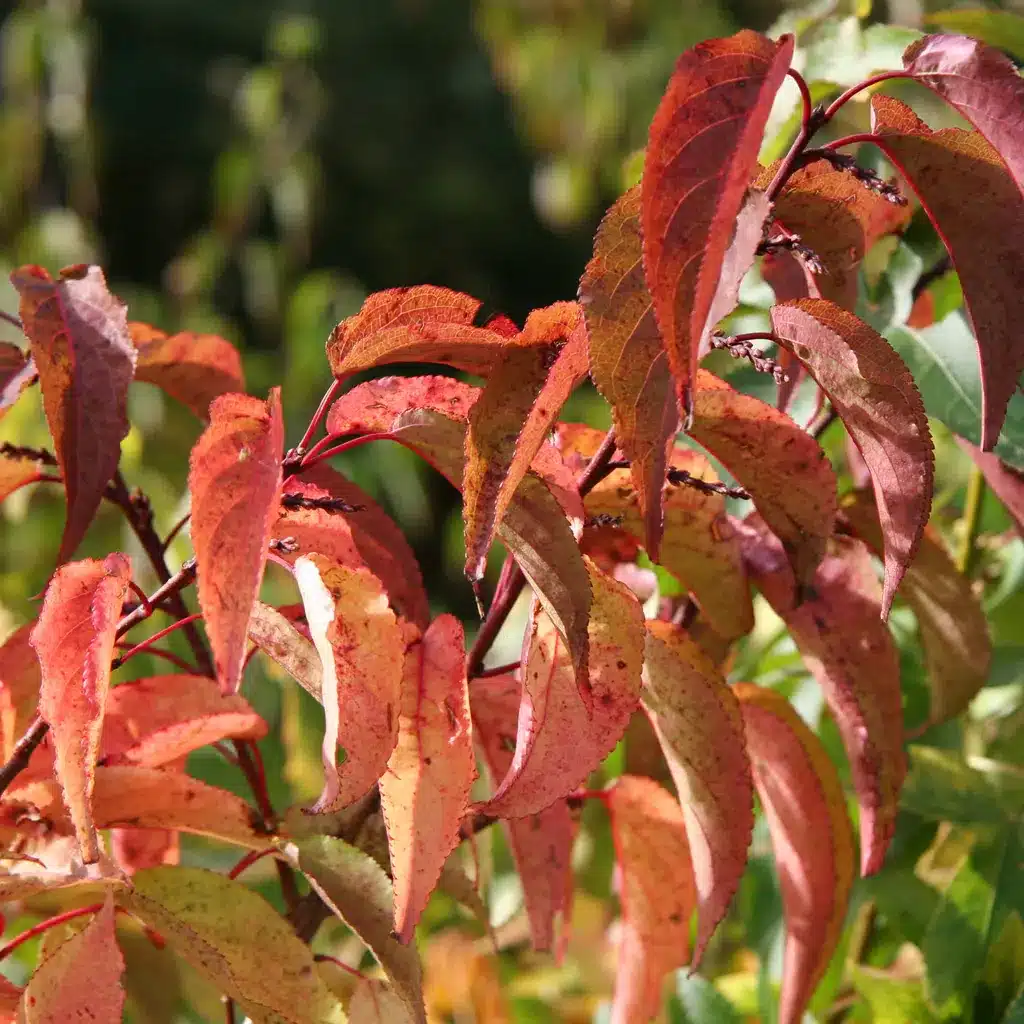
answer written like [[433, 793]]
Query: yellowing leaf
[[74, 641], [16, 471], [361, 646], [699, 727], [235, 480], [17, 371], [238, 941], [373, 1002], [803, 801], [871, 388], [275, 635], [425, 791], [656, 891], [81, 981], [568, 725]]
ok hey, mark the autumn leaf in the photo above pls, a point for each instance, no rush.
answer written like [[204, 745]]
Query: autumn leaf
[[425, 791], [358, 891], [192, 368], [422, 324], [628, 361], [367, 537], [361, 646], [700, 730], [16, 471], [793, 487], [74, 641], [701, 154], [1006, 482], [511, 419], [17, 371], [847, 648], [135, 849], [802, 797], [874, 394], [234, 937], [275, 635], [159, 719], [373, 1002], [979, 213], [427, 414], [235, 480], [78, 335], [19, 687], [541, 843], [567, 725], [950, 619], [656, 890], [81, 980], [981, 83]]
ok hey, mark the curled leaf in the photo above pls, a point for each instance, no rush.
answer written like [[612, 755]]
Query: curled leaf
[[699, 727], [361, 646], [656, 892], [275, 635], [74, 641], [235, 480], [78, 334], [876, 398], [17, 371], [803, 801], [425, 792]]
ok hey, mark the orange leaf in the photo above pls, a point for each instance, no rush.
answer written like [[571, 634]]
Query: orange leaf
[[16, 471], [74, 641], [235, 480], [871, 388], [803, 801], [361, 646], [656, 890], [374, 1002], [701, 154], [422, 324], [154, 721], [950, 619], [781, 465], [541, 843], [847, 647], [17, 371], [569, 724], [511, 419], [19, 687], [135, 849], [368, 537], [78, 333], [697, 720], [81, 981], [978, 211], [192, 368], [425, 791]]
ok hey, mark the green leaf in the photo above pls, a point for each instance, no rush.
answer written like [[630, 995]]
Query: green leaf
[[1002, 29], [697, 1001], [234, 937], [1015, 1012], [942, 787], [892, 1001]]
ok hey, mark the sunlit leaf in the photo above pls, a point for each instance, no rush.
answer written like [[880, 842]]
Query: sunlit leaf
[[699, 728], [19, 686], [78, 335], [1006, 482], [135, 849], [74, 641], [275, 635], [1003, 30], [16, 471], [373, 1002], [235, 480], [803, 800]]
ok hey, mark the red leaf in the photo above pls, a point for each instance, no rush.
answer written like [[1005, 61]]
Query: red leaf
[[803, 801], [656, 892], [950, 619], [541, 843], [979, 213], [362, 647], [699, 727], [78, 333], [155, 721], [17, 371], [15, 472], [81, 981], [135, 849], [19, 687], [511, 419], [421, 412], [561, 739], [984, 86], [871, 388], [847, 647], [1005, 481], [701, 154], [425, 791], [782, 466], [367, 538], [192, 368], [74, 641], [423, 324], [235, 480]]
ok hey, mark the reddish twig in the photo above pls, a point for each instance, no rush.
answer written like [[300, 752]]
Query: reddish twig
[[314, 423], [14, 321], [175, 530], [156, 652], [18, 451], [324, 958], [44, 926], [806, 100], [320, 451], [833, 108], [22, 752], [740, 346], [149, 641], [327, 504], [248, 860]]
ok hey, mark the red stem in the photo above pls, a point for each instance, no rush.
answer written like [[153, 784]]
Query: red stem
[[317, 454], [754, 336], [497, 670], [852, 140], [324, 958], [158, 652], [159, 635], [248, 860], [845, 97], [805, 96], [141, 595], [176, 529], [321, 411], [44, 926]]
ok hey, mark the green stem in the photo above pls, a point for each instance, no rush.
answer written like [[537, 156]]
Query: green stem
[[971, 521]]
